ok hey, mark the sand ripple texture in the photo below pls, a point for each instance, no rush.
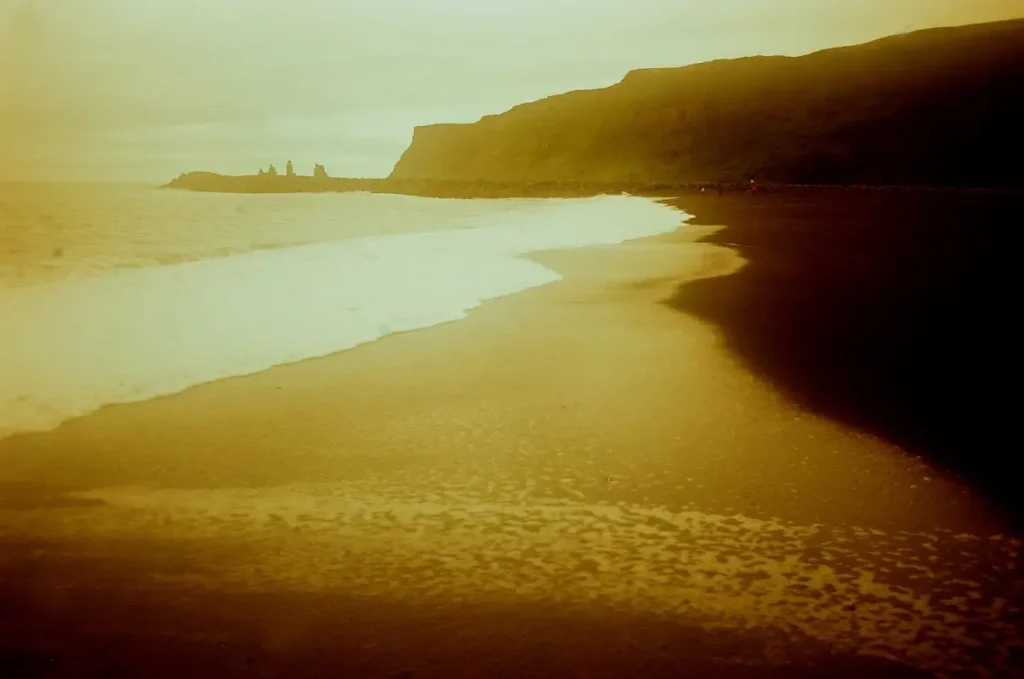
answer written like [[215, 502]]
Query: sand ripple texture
[[943, 602]]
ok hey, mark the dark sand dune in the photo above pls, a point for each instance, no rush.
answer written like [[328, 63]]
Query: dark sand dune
[[894, 312]]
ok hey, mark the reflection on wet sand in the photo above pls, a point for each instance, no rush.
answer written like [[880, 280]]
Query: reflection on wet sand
[[513, 494]]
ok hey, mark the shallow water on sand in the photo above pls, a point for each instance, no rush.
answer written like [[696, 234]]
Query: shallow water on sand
[[120, 294]]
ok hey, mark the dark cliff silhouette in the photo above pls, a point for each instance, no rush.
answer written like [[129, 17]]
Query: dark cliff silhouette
[[937, 107]]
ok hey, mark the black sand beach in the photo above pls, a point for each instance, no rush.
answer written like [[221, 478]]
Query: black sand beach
[[576, 481], [890, 311]]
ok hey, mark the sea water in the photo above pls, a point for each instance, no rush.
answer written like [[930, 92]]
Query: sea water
[[114, 294]]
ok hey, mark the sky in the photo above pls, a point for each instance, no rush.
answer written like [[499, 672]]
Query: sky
[[141, 90]]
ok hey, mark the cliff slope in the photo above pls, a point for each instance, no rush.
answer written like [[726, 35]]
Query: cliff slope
[[940, 107]]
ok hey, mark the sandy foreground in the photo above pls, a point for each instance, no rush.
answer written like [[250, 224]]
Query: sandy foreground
[[574, 481]]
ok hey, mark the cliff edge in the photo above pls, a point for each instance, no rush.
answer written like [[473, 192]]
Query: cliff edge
[[938, 107]]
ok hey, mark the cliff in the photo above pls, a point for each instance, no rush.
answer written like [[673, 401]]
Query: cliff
[[939, 107]]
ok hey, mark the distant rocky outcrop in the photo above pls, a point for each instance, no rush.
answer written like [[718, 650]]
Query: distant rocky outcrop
[[289, 169], [939, 107], [269, 182], [319, 172]]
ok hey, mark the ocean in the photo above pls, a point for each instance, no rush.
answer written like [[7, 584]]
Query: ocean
[[120, 293]]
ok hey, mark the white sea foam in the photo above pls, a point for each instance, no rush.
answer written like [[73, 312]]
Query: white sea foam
[[68, 348]]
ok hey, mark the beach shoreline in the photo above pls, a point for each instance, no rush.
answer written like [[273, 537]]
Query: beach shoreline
[[575, 480], [146, 326]]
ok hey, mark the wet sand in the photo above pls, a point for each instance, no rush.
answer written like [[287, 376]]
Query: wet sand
[[889, 311], [576, 481]]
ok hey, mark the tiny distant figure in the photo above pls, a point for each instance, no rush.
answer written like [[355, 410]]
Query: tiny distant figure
[[702, 189], [753, 186]]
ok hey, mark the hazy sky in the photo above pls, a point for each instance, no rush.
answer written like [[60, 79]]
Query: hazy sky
[[144, 89]]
